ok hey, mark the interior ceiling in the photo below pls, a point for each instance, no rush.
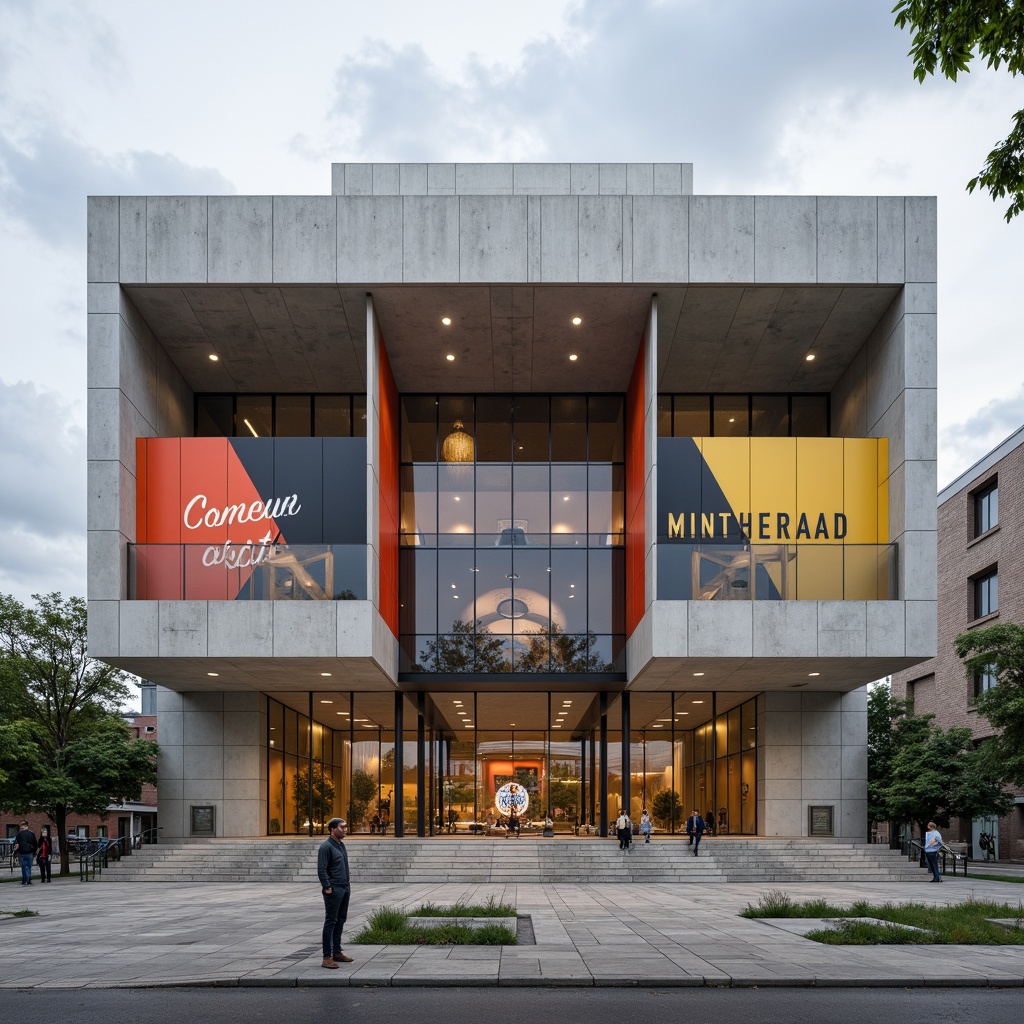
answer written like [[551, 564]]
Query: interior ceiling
[[312, 338]]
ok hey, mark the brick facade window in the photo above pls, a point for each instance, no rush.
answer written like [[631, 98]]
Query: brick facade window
[[983, 682], [986, 594], [986, 509]]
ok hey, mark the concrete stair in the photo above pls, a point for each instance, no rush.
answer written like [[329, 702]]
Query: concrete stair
[[411, 860]]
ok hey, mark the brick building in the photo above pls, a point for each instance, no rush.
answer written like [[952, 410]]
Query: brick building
[[981, 582]]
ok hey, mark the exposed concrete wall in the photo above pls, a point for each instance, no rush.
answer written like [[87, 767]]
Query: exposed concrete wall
[[812, 750]]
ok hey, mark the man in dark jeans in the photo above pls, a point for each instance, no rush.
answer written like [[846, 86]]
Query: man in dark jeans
[[24, 846], [695, 829], [332, 869]]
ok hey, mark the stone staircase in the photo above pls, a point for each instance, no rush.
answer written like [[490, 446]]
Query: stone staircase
[[411, 860]]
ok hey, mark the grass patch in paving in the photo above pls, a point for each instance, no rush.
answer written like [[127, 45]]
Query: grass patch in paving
[[489, 909], [388, 927], [1019, 879], [952, 924], [19, 913]]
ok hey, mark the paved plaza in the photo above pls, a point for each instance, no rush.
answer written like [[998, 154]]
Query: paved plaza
[[109, 934]]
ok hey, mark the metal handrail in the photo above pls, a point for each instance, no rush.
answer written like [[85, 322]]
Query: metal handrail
[[91, 863], [909, 845]]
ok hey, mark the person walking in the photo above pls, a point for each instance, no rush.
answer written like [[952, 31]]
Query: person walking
[[695, 829], [44, 852], [932, 845], [25, 845], [332, 870], [623, 829], [645, 825]]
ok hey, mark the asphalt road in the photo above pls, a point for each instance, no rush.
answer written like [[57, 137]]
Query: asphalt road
[[516, 1006]]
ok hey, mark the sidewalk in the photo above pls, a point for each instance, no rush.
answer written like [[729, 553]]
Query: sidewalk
[[116, 935]]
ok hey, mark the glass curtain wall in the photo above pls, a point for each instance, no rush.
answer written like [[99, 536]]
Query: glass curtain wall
[[744, 415]]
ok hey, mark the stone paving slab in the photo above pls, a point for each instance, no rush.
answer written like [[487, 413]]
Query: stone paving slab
[[164, 934]]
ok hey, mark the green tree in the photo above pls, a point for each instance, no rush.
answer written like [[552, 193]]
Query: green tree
[[323, 797], [468, 647], [938, 774], [884, 711], [363, 791], [948, 35], [666, 807], [64, 747], [999, 650], [559, 651]]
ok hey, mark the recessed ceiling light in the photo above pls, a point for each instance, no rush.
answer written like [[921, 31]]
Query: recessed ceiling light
[[678, 713], [325, 673], [573, 358], [213, 673], [327, 702], [577, 320], [469, 725], [344, 712], [814, 673], [557, 725], [657, 727], [698, 673], [453, 586], [214, 358], [450, 357], [511, 723], [698, 702], [360, 719], [566, 498], [809, 357], [446, 320]]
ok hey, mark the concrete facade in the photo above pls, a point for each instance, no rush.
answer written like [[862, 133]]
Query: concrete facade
[[966, 552], [729, 293]]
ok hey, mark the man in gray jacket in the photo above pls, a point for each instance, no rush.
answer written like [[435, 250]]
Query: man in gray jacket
[[332, 869]]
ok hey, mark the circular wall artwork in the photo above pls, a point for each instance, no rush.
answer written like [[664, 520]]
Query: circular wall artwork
[[512, 797]]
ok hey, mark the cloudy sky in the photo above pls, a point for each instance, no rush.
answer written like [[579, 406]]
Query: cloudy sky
[[762, 96]]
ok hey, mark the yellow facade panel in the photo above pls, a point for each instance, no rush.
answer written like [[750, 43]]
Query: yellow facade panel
[[773, 488], [728, 459], [860, 485]]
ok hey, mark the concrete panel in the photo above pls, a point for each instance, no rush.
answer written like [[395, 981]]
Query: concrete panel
[[785, 629], [209, 701], [785, 239], [359, 179], [585, 179], [891, 240], [922, 629], [176, 239], [133, 240], [560, 238], [819, 701], [102, 342], [541, 179], [241, 239], [782, 762], [847, 239], [855, 789], [386, 180], [202, 729], [886, 629], [720, 629], [783, 818], [668, 180], [305, 239], [921, 239], [721, 238], [612, 179], [779, 700], [103, 629], [661, 228], [172, 726], [855, 738], [600, 239], [242, 790], [102, 256], [243, 729], [167, 700], [138, 374], [241, 629], [242, 762], [171, 814], [920, 350], [203, 761], [853, 820], [687, 175], [821, 791], [355, 625], [842, 629], [492, 238], [785, 789], [412, 179], [243, 818], [920, 415], [627, 238], [822, 728], [107, 566], [483, 179], [821, 763], [918, 575], [102, 298], [781, 727], [920, 509], [170, 768], [140, 633], [921, 298], [857, 700], [430, 227], [204, 791], [244, 700], [183, 629], [533, 217], [103, 490], [337, 179], [370, 239], [640, 179], [669, 632], [305, 629], [441, 179]]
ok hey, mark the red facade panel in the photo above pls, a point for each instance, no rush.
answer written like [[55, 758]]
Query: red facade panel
[[636, 540], [387, 463]]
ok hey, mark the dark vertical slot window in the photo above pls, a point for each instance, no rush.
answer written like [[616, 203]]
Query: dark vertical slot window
[[986, 510], [215, 416], [809, 416], [254, 416], [292, 416], [691, 415], [359, 416], [332, 416], [419, 429], [986, 594], [493, 429], [606, 428], [769, 416], [531, 429], [569, 439], [731, 416]]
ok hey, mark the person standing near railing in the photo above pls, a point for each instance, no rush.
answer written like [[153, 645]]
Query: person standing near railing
[[932, 846], [25, 845], [44, 852]]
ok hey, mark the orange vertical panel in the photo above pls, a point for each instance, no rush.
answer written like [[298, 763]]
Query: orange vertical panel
[[387, 465], [141, 526], [204, 471], [636, 583], [163, 490]]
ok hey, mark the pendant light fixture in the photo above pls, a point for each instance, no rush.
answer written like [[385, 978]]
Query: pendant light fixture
[[458, 445]]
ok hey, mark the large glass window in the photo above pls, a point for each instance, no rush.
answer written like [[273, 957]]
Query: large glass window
[[986, 594], [245, 415], [743, 415], [515, 509]]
